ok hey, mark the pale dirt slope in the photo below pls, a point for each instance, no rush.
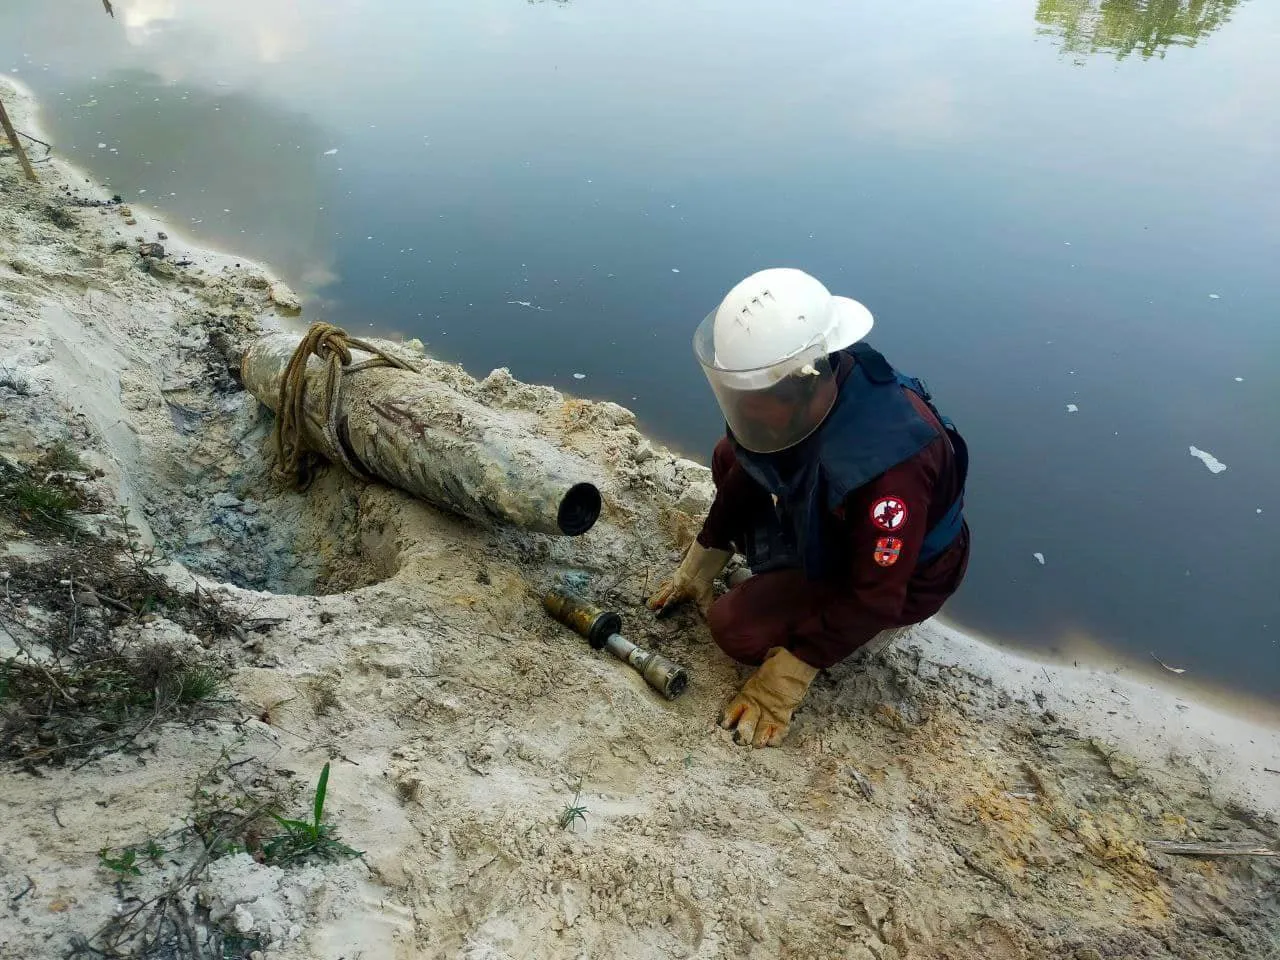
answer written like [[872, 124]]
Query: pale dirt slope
[[458, 717]]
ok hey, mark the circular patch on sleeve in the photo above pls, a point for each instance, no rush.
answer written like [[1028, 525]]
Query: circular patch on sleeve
[[888, 550], [889, 514]]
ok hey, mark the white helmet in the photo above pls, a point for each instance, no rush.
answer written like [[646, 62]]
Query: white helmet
[[765, 352]]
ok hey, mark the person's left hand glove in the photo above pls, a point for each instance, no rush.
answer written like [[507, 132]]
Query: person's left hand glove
[[760, 714]]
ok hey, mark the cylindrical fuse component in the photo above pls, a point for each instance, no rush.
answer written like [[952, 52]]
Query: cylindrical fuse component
[[665, 676], [601, 630]]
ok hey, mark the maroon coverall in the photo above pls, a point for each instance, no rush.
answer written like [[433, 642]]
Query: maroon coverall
[[824, 621]]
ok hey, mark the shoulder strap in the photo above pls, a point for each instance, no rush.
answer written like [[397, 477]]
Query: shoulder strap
[[873, 363], [879, 370]]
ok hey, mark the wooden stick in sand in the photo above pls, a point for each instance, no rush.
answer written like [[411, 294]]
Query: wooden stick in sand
[[12, 134]]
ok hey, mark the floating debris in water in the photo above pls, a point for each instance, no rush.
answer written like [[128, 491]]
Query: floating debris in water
[[1039, 558], [528, 305], [1214, 296], [675, 269], [330, 152], [1239, 379], [1166, 666], [102, 146], [579, 376], [1072, 408], [1213, 463]]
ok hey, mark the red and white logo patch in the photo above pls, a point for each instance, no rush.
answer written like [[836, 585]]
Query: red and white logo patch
[[888, 549], [889, 514]]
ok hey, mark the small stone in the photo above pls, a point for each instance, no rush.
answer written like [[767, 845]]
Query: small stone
[[696, 498], [162, 235], [755, 929], [159, 268], [130, 222], [285, 298], [241, 919], [877, 908]]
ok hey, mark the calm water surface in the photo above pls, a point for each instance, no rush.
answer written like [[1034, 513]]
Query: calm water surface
[[1044, 203]]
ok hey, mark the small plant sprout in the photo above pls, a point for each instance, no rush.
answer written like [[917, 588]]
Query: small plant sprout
[[302, 838], [575, 811], [142, 556], [154, 851], [124, 864]]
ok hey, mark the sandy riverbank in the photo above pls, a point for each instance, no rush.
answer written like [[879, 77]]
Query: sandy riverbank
[[949, 799]]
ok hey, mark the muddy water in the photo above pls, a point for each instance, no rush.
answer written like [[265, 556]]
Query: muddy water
[[1066, 218]]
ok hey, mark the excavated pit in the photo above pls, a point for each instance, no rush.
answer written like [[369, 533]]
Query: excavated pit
[[246, 526]]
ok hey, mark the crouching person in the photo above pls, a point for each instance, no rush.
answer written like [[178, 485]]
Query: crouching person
[[838, 480]]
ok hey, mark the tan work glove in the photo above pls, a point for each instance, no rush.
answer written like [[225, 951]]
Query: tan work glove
[[693, 580], [760, 714]]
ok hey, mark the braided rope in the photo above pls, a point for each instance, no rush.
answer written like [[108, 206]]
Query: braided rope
[[333, 346]]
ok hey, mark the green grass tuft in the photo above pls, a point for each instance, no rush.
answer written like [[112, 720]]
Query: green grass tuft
[[61, 457], [51, 503], [197, 683]]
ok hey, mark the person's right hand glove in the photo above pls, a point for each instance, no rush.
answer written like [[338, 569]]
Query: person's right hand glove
[[760, 714], [693, 580]]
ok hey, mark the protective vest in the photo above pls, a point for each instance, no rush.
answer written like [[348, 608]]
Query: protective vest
[[873, 427]]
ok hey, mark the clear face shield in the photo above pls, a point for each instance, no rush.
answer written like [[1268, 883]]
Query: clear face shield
[[773, 407]]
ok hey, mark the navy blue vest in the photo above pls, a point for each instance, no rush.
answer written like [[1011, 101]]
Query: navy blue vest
[[873, 427]]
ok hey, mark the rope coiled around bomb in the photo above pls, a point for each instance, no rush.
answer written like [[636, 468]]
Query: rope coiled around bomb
[[333, 346]]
